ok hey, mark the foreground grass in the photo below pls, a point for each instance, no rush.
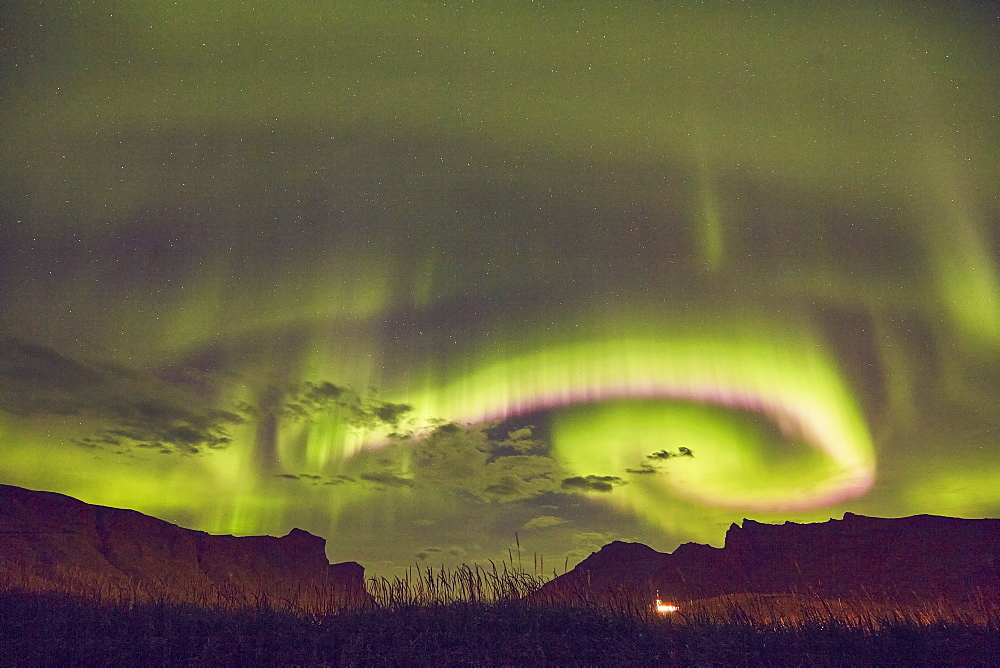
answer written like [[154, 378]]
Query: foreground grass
[[50, 629]]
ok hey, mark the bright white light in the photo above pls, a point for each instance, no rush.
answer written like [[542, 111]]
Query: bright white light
[[664, 608]]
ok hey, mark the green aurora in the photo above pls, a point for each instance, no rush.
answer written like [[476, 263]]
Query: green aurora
[[421, 277]]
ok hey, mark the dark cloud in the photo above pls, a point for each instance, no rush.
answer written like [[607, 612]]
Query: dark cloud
[[158, 423], [451, 454], [386, 479], [666, 454], [35, 380], [655, 458], [518, 477], [522, 434], [389, 413], [338, 480], [518, 442], [307, 477], [453, 552], [312, 398], [137, 409], [644, 469], [592, 483], [460, 460], [466, 460], [361, 411], [38, 380], [428, 552]]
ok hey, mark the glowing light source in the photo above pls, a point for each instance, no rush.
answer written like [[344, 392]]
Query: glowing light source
[[664, 608]]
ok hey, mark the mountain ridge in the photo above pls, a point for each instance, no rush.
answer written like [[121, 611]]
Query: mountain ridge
[[53, 542], [887, 560]]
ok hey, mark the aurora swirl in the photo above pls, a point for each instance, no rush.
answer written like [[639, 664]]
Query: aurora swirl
[[421, 278], [791, 383]]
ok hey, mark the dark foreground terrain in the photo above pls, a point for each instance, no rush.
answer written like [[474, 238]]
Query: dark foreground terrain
[[84, 585], [58, 630]]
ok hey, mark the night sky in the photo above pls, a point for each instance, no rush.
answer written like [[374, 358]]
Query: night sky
[[421, 277]]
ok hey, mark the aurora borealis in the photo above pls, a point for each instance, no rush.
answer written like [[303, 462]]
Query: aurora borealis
[[418, 277]]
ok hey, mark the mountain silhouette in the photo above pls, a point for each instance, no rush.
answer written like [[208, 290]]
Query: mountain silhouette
[[53, 542], [905, 561]]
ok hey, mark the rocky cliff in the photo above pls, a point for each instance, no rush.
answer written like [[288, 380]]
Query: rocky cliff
[[894, 561], [52, 542]]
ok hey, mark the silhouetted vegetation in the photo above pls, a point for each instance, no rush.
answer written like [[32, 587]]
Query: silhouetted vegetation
[[479, 616]]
